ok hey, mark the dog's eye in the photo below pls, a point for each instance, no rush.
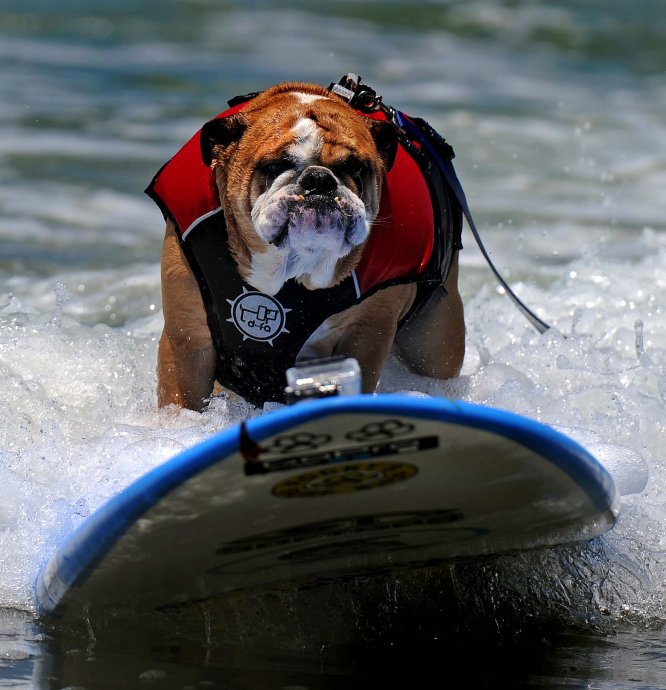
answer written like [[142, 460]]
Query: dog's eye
[[355, 168], [273, 169]]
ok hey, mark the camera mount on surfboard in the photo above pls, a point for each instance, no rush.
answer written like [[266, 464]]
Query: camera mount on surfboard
[[323, 378]]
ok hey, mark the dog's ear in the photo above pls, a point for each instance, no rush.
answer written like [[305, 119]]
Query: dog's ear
[[221, 131], [386, 141]]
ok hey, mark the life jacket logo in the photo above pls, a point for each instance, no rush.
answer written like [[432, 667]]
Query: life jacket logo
[[258, 316]]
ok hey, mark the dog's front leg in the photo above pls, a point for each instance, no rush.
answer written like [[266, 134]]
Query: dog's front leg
[[186, 356], [433, 342], [365, 331]]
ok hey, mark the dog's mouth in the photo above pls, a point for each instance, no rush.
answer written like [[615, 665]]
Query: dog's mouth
[[320, 214], [309, 231], [281, 237]]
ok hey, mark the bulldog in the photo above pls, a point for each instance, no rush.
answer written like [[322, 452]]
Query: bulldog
[[298, 227]]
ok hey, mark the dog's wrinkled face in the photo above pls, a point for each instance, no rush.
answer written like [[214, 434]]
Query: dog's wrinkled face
[[300, 177], [311, 208]]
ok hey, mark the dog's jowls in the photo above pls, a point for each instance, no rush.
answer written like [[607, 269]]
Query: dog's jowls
[[299, 176]]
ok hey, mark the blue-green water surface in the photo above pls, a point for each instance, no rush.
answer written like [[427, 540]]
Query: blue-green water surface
[[556, 111]]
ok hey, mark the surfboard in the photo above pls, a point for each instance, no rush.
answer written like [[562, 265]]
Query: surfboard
[[325, 489]]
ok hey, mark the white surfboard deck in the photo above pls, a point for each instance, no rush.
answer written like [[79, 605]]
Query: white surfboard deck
[[331, 488]]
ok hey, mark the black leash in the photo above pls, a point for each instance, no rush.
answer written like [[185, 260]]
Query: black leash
[[365, 99], [447, 169]]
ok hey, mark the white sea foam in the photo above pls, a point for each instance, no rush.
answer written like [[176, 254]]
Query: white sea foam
[[563, 163], [80, 424], [81, 421]]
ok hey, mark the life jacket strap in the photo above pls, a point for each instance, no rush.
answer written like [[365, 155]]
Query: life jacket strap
[[364, 98], [430, 139]]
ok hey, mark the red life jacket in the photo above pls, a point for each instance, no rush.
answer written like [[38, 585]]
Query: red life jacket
[[419, 229]]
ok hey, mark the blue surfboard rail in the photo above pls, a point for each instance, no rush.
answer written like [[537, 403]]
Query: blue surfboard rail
[[88, 544]]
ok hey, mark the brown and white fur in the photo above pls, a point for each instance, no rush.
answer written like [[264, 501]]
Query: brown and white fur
[[299, 175]]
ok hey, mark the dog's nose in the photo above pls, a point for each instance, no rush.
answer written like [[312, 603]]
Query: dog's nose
[[317, 180]]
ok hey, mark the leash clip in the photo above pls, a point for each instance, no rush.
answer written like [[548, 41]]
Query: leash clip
[[365, 99], [359, 95]]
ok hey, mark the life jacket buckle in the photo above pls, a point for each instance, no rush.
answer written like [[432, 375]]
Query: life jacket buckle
[[359, 95]]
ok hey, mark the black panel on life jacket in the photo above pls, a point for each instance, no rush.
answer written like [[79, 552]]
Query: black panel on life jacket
[[257, 336]]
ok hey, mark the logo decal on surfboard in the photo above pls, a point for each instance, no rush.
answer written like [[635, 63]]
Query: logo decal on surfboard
[[340, 537], [298, 443], [304, 451], [342, 479], [383, 430]]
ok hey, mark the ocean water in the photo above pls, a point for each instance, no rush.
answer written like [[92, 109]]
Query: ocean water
[[556, 113]]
